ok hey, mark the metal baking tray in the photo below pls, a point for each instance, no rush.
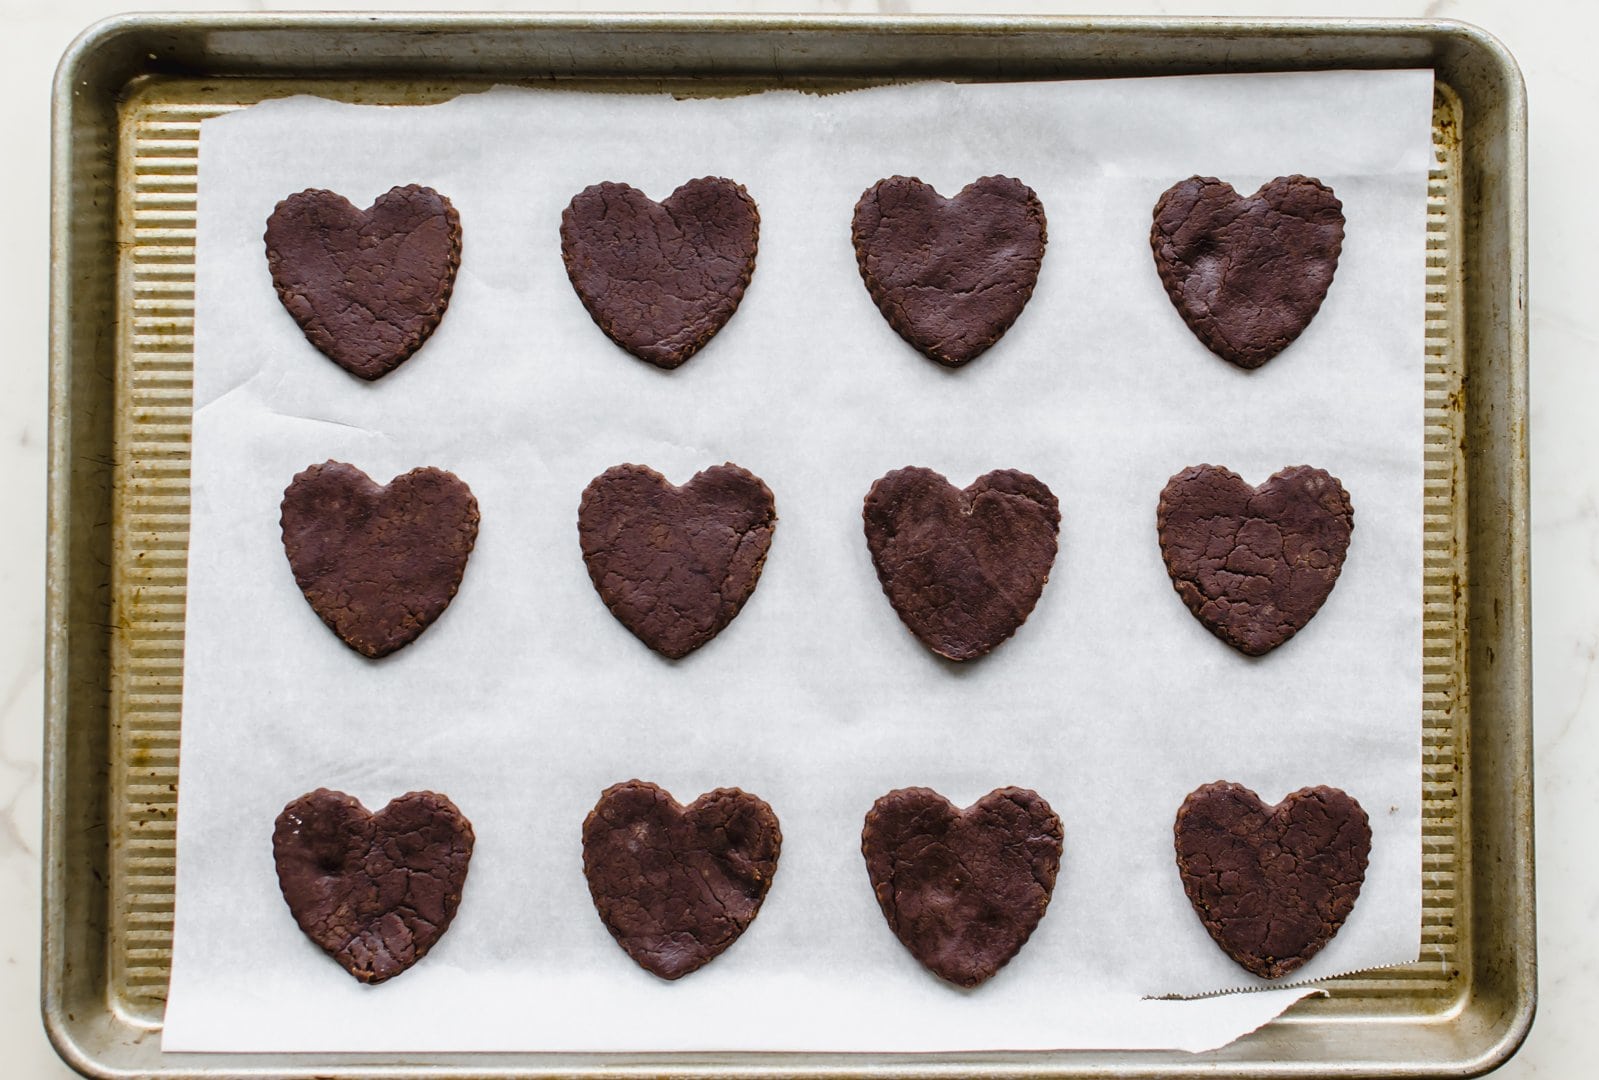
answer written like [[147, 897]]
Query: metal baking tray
[[129, 97]]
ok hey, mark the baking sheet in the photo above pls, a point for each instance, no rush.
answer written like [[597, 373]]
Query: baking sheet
[[527, 699]]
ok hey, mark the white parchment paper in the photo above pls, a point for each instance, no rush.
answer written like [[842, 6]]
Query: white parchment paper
[[527, 698]]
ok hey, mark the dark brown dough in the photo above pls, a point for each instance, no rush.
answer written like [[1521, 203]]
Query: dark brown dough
[[367, 286], [1272, 884], [677, 885], [963, 890], [660, 278], [962, 568], [1247, 275], [675, 564], [1254, 564], [378, 564], [950, 275], [375, 891]]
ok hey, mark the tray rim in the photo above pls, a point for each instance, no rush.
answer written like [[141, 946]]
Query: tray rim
[[1512, 669]]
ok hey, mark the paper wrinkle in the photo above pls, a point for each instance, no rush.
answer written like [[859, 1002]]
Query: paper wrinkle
[[527, 699], [245, 386], [332, 422]]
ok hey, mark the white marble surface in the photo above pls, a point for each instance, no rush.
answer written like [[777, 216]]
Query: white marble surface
[[1551, 41]]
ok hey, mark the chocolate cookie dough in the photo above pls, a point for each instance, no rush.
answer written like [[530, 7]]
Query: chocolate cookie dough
[[375, 891], [963, 890], [677, 885], [675, 564], [1247, 275], [660, 278], [367, 286], [1254, 564], [1272, 884], [950, 275], [962, 568], [378, 564]]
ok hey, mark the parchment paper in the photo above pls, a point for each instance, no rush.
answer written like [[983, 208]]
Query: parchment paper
[[527, 698]]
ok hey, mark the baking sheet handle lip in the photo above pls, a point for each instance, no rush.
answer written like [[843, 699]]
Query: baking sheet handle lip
[[1508, 1032], [1504, 1034], [112, 25], [106, 32], [73, 85], [1518, 670], [57, 569]]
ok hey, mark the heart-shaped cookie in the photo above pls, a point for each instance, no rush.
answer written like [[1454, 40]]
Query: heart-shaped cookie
[[950, 275], [676, 885], [368, 287], [962, 568], [675, 564], [963, 890], [660, 278], [1254, 564], [378, 564], [1272, 884], [375, 891], [1247, 275]]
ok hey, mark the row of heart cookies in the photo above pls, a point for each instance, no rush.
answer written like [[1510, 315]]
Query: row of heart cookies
[[951, 275], [963, 890], [963, 568]]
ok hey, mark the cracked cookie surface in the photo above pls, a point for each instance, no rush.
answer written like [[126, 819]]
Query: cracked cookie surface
[[675, 564], [950, 275], [1254, 565], [367, 287], [1272, 884], [378, 563], [963, 890], [677, 885], [1247, 274], [963, 569], [661, 278], [375, 891]]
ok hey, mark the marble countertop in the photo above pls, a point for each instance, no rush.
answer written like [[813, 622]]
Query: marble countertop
[[1550, 41]]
